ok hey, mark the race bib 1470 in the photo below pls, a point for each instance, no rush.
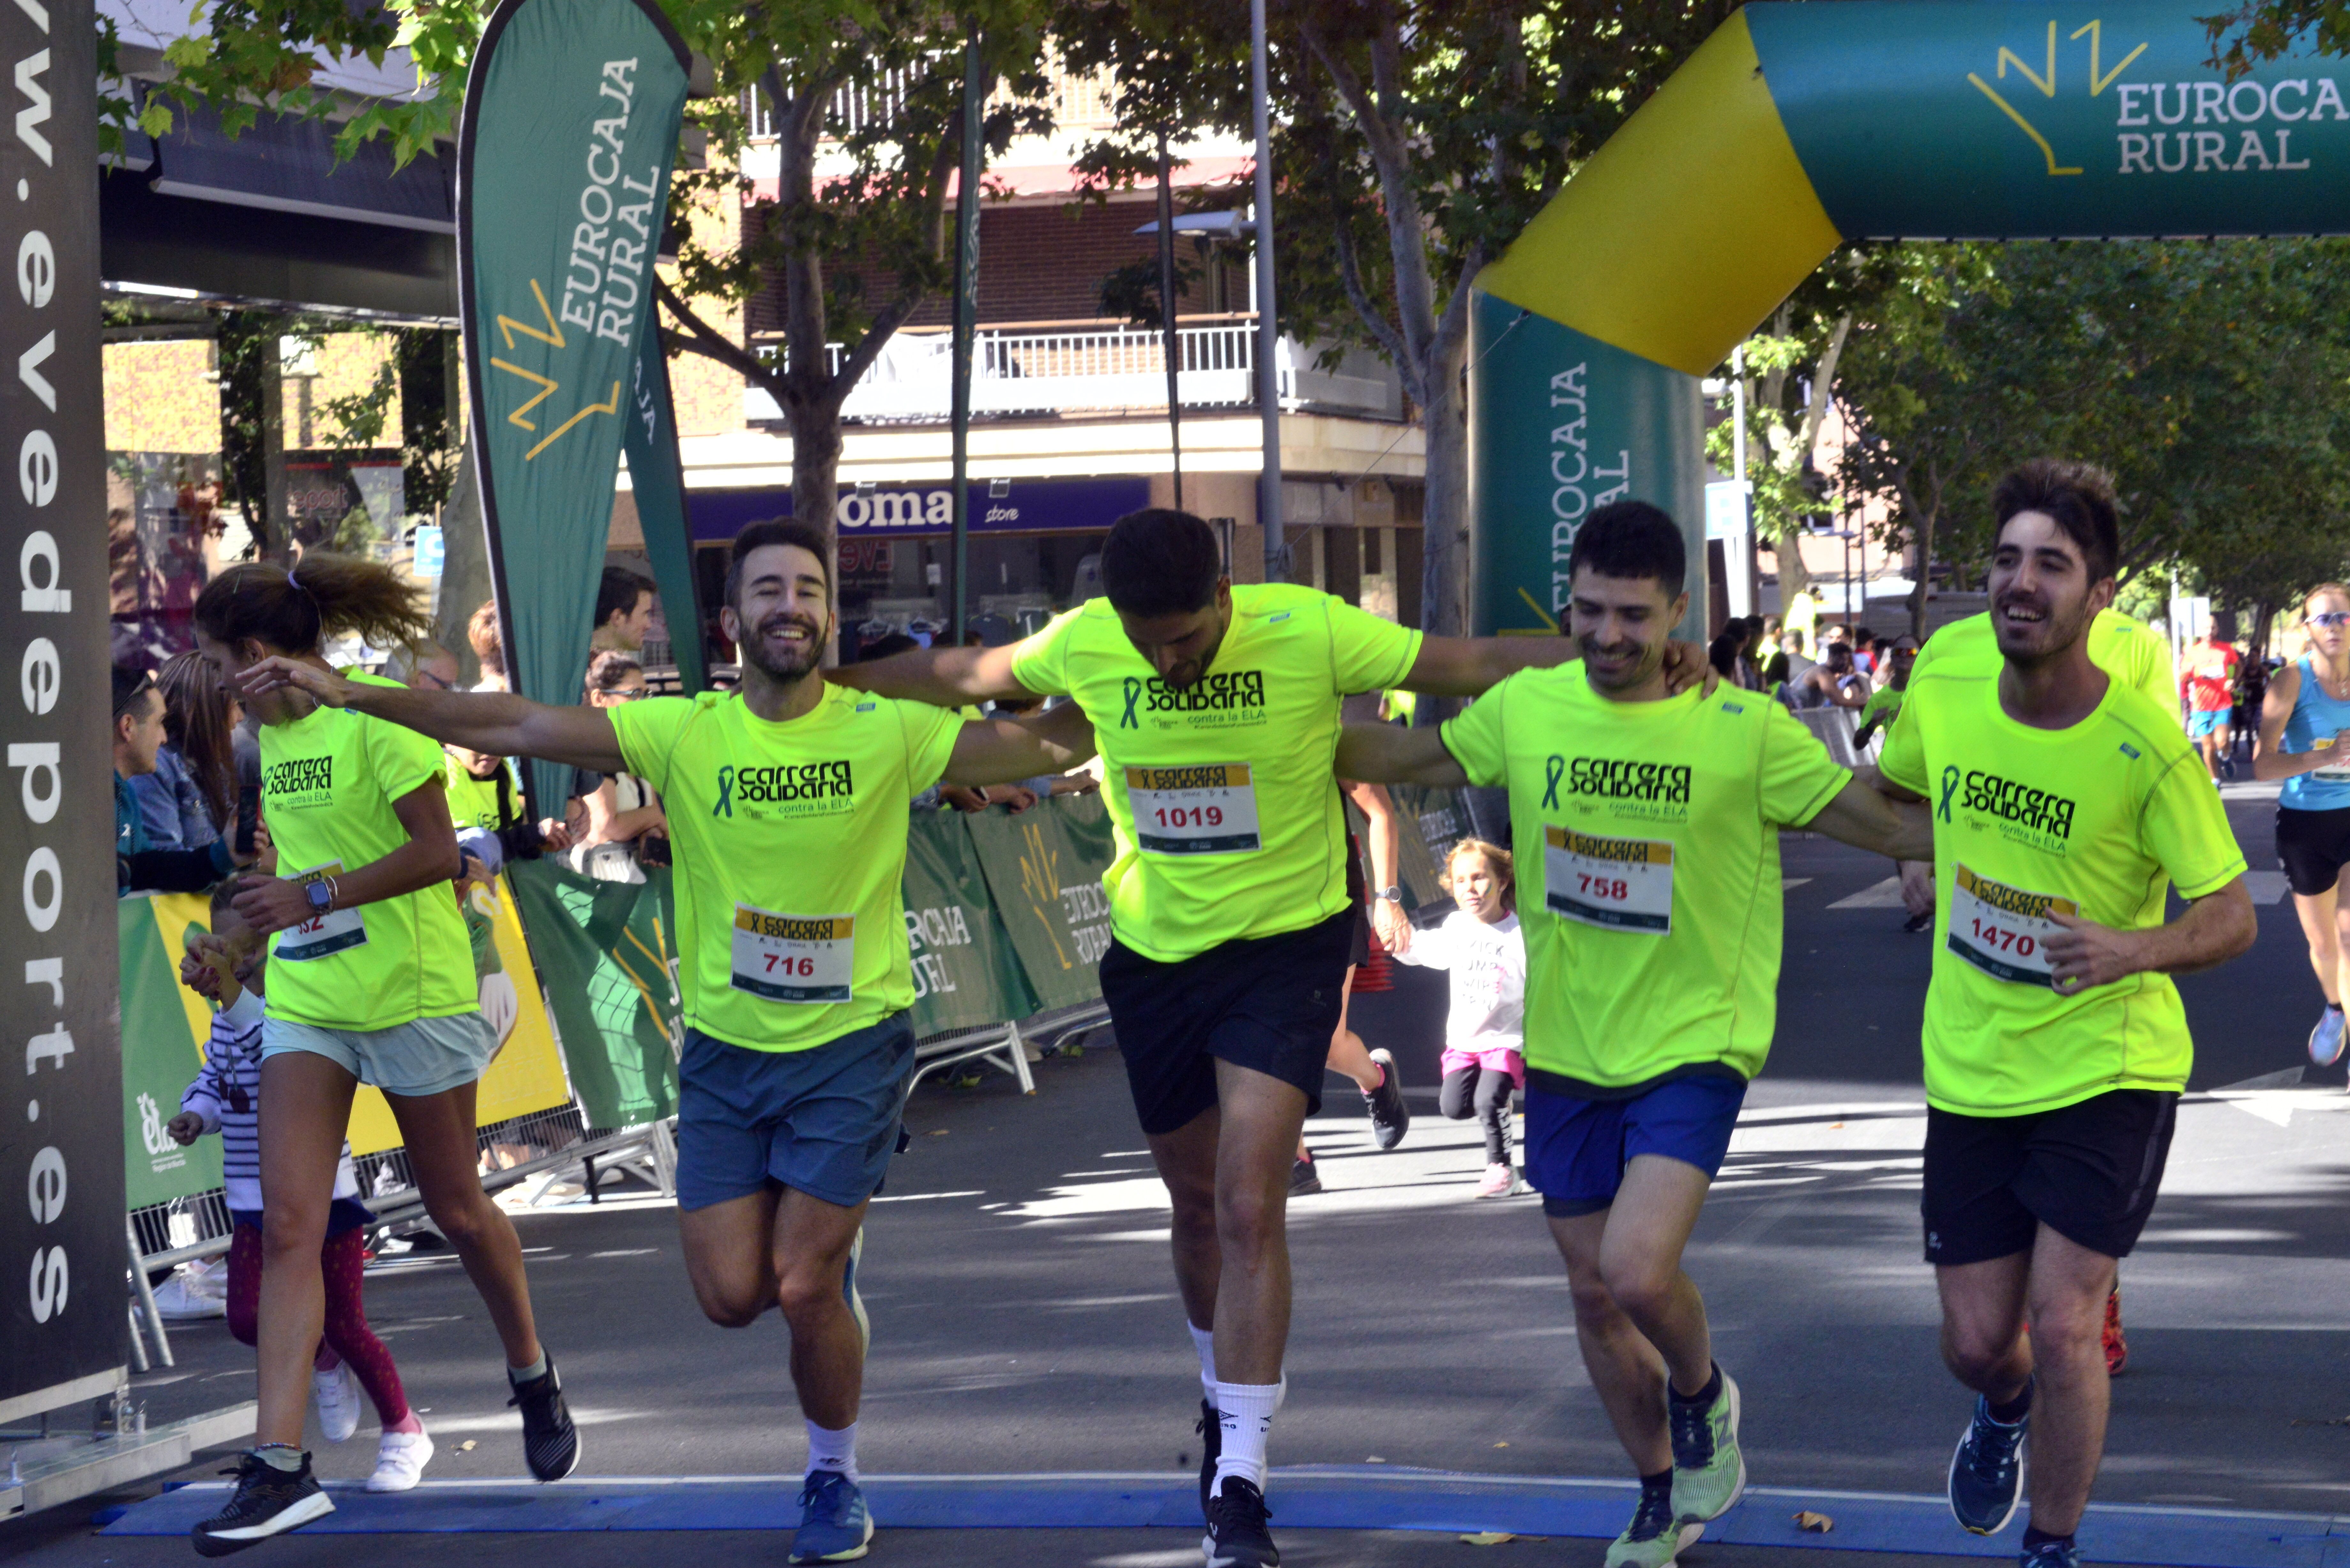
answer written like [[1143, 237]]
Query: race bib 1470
[[794, 958], [2003, 931], [1622, 884]]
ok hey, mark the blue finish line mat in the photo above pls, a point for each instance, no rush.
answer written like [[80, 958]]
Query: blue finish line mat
[[1352, 1497]]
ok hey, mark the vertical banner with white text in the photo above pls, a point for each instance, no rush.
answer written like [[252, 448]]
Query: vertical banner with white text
[[62, 1320]]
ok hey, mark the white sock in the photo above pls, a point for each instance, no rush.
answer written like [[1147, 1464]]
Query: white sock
[[1204, 1341], [1245, 1411], [831, 1451]]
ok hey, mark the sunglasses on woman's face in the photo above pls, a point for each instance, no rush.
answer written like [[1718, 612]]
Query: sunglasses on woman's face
[[2329, 618]]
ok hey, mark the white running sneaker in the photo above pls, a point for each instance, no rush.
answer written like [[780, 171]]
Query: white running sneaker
[[1498, 1180], [400, 1461], [337, 1396]]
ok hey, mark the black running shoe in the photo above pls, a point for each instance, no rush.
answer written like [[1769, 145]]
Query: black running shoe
[[549, 1441], [268, 1502], [2051, 1554], [1236, 1536], [1391, 1118], [1212, 1449], [1987, 1473], [1303, 1179], [1916, 923]]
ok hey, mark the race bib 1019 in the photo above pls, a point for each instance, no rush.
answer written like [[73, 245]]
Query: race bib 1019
[[1204, 810]]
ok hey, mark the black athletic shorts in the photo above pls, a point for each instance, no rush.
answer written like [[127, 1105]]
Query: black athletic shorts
[[2089, 1171], [1269, 1003], [2312, 847]]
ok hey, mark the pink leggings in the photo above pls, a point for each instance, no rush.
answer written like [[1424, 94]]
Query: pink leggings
[[348, 1334]]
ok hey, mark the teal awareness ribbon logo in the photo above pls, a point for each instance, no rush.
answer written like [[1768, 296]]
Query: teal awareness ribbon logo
[[1552, 768], [1950, 788], [1133, 692], [725, 794]]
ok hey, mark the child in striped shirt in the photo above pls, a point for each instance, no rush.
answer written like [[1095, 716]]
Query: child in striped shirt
[[225, 1098]]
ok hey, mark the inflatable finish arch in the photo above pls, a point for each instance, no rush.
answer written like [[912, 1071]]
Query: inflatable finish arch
[[1795, 127]]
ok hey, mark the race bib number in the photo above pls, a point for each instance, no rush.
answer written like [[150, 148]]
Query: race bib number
[[1622, 884], [331, 932], [2001, 931], [794, 958], [1209, 810], [2336, 774]]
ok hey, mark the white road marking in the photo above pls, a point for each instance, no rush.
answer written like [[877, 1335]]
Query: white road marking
[[1787, 882], [2266, 887], [922, 1197], [1885, 894]]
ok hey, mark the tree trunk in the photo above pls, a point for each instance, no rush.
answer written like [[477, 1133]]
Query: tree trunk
[[253, 424], [1444, 512], [1794, 577], [1918, 590]]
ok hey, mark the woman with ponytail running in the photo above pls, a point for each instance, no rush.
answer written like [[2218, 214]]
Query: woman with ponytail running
[[371, 980], [2305, 742]]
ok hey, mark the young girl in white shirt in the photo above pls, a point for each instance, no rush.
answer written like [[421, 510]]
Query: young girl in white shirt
[[1484, 1031]]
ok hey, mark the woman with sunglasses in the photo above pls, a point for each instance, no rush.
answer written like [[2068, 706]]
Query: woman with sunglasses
[[2305, 742]]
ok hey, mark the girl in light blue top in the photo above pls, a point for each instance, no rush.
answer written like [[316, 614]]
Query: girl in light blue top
[[2305, 743]]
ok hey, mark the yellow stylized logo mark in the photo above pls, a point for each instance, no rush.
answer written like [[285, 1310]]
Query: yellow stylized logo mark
[[2045, 80], [1039, 879], [553, 334]]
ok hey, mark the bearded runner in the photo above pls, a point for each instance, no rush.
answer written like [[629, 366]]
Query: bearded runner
[[787, 809], [1648, 832], [2066, 804], [1216, 709]]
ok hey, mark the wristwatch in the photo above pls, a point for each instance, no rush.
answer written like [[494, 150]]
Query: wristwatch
[[320, 894], [1392, 895]]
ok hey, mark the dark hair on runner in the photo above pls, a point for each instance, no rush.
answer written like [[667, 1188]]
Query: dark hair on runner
[[2079, 496], [776, 530], [619, 591], [291, 611], [1159, 561], [485, 637], [1631, 539], [609, 667], [129, 685], [195, 721]]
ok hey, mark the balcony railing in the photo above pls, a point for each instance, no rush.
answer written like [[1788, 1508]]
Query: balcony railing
[[1022, 372]]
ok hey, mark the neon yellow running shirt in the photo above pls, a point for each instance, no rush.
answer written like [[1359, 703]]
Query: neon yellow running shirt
[[2095, 820], [473, 803], [2124, 649], [1646, 841], [789, 843], [328, 784], [1224, 810]]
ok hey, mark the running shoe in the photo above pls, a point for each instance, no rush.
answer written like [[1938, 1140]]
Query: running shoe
[[1498, 1180], [2117, 1347], [400, 1461], [267, 1501], [336, 1393], [848, 1291], [1653, 1539], [1709, 1470], [1303, 1179], [2325, 1040], [835, 1524], [1987, 1471], [1237, 1537], [1916, 923], [2052, 1554], [1391, 1118], [1212, 1449], [549, 1441]]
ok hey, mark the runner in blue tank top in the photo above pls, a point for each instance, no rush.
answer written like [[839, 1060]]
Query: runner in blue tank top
[[2305, 742]]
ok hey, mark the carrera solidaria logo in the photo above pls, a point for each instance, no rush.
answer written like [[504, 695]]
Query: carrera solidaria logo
[[2010, 802], [1224, 691], [1606, 778], [784, 785], [297, 780]]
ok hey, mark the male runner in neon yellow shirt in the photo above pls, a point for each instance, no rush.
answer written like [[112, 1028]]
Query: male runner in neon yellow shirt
[[2066, 804], [1216, 710], [788, 805], [1647, 834], [2123, 648]]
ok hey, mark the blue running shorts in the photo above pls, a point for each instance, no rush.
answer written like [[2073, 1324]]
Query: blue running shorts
[[1576, 1149], [823, 1121]]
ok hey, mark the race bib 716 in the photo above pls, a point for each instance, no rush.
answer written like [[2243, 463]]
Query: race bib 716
[[794, 958]]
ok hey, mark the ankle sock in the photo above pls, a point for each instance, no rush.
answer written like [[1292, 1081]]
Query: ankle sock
[[2015, 1409], [1204, 1340], [518, 1375], [1658, 1485], [1244, 1411], [283, 1457], [2033, 1536], [1705, 1396], [831, 1451]]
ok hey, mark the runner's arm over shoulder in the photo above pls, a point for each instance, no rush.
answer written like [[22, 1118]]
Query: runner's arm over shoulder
[[942, 676], [497, 723], [1004, 751], [1382, 753], [1866, 818]]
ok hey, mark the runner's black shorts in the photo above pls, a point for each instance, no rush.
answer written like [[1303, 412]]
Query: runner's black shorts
[[2312, 847], [2089, 1171], [1269, 1003]]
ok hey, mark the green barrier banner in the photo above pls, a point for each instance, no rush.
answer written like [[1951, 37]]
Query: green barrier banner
[[965, 976], [1044, 868], [160, 1053], [570, 127], [603, 951], [656, 484], [2013, 121], [1559, 424]]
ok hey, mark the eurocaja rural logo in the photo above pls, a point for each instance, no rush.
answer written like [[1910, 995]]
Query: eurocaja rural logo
[[1235, 695], [789, 789], [299, 781]]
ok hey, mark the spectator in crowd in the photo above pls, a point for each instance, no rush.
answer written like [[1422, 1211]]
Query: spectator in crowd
[[1835, 684], [482, 632], [624, 815], [138, 736], [192, 793], [624, 611], [1724, 651], [1789, 663], [2208, 684], [1885, 702], [1750, 655], [426, 667]]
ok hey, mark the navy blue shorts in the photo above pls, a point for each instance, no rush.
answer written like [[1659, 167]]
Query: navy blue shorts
[[822, 1121], [1576, 1149], [1269, 1003]]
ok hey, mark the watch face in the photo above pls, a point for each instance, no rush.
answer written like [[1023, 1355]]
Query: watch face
[[317, 894]]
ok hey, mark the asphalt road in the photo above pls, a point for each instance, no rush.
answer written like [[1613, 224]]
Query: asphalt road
[[1025, 1319]]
